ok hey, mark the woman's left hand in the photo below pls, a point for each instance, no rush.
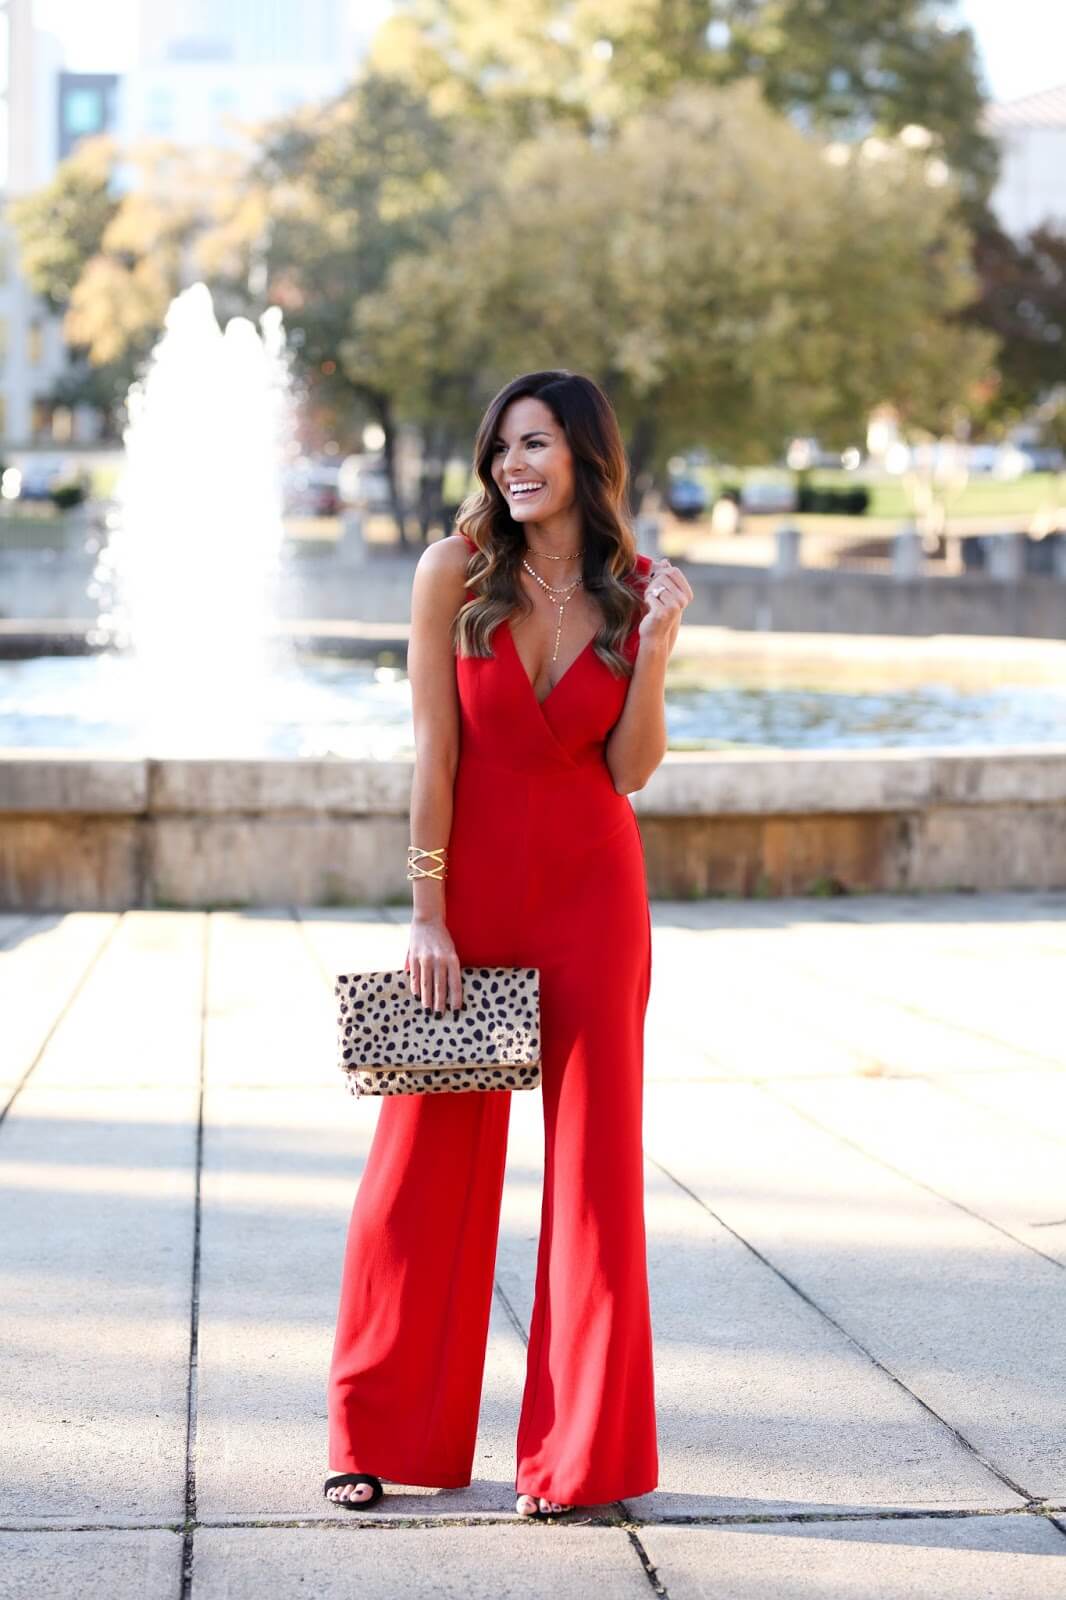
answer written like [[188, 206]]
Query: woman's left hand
[[666, 593]]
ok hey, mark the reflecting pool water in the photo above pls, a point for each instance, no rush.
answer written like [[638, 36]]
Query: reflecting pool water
[[322, 705]]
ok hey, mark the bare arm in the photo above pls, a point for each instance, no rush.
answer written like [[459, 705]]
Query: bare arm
[[637, 742], [436, 595]]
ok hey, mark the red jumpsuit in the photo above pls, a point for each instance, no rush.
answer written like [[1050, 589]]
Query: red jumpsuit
[[546, 869]]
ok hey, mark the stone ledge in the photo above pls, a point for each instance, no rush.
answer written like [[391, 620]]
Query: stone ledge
[[47, 782], [350, 788], [687, 784]]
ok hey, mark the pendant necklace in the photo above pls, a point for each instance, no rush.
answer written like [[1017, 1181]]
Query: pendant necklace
[[567, 590]]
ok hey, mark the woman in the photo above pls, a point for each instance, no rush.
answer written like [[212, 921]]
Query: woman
[[538, 648]]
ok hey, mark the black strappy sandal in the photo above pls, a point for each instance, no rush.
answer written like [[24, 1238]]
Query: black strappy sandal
[[353, 1477]]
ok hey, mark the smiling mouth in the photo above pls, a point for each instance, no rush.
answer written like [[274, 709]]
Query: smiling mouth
[[519, 491]]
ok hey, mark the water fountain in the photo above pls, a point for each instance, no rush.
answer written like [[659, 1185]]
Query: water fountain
[[187, 580]]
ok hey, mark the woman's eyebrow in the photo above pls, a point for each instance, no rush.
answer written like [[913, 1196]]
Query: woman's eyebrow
[[541, 433]]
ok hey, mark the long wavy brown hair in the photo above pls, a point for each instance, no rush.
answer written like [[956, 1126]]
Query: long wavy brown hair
[[601, 478]]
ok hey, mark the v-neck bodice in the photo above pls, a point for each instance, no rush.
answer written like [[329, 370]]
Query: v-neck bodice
[[504, 721], [540, 837], [507, 630]]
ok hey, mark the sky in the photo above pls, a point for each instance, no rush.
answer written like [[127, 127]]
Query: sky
[[1022, 43]]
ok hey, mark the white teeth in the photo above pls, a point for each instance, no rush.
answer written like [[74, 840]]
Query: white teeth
[[525, 488]]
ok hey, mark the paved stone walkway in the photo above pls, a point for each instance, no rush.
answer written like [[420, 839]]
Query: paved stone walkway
[[856, 1192]]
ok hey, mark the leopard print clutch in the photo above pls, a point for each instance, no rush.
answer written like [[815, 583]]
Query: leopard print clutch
[[390, 1043]]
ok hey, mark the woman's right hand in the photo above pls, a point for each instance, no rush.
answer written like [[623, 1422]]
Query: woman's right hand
[[432, 967]]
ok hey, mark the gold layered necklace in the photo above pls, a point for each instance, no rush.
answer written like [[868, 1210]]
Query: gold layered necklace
[[567, 590]]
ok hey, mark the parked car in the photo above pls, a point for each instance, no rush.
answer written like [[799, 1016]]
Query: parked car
[[1003, 461], [311, 489], [35, 477], [364, 482], [763, 496], [686, 498], [1045, 458]]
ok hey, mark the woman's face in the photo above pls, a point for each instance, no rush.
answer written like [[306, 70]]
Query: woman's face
[[532, 450]]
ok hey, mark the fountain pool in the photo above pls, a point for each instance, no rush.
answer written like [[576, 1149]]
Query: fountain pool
[[326, 705]]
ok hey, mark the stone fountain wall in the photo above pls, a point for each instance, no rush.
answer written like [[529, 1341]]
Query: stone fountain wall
[[85, 832], [51, 586]]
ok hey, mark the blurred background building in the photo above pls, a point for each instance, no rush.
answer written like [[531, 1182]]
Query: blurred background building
[[207, 66], [31, 349], [1031, 134], [204, 73]]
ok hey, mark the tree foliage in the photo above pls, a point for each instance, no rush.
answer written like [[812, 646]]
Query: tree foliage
[[724, 279], [108, 243], [639, 189], [1022, 300], [845, 67], [60, 226]]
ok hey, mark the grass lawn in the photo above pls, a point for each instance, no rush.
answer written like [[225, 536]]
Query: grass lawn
[[981, 496]]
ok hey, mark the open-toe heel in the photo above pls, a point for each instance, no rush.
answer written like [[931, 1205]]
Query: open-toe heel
[[538, 1510], [346, 1501]]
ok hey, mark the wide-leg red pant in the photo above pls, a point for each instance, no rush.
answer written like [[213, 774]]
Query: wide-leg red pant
[[408, 1360]]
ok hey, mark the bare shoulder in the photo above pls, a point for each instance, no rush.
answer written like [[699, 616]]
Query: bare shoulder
[[448, 555], [440, 577]]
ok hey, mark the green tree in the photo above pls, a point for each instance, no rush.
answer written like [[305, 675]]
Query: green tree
[[59, 229], [111, 258], [60, 226], [721, 274], [344, 191], [1022, 301], [846, 67]]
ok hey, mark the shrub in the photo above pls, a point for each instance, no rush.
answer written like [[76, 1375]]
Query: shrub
[[66, 495], [838, 502]]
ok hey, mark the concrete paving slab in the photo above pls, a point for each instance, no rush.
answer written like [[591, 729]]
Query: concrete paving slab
[[965, 910], [764, 1407], [98, 1169], [480, 1563], [898, 996], [839, 1003], [134, 1023], [280, 1171], [95, 1268], [370, 941], [754, 1390], [1021, 1557], [43, 961], [1001, 1172], [932, 908], [771, 1240], [955, 1310], [998, 993], [711, 1014], [270, 1019], [94, 1564], [892, 1022], [1035, 1100]]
